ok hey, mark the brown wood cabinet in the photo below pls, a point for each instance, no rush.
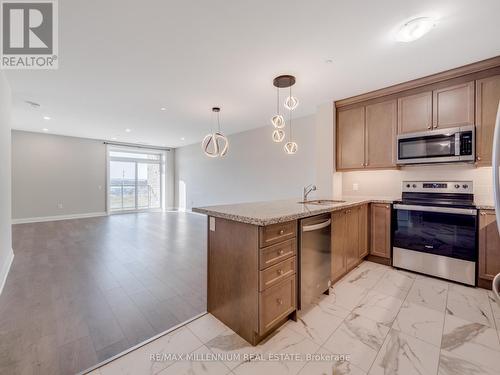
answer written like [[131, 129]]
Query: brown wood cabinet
[[489, 245], [415, 113], [380, 230], [339, 267], [349, 239], [364, 247], [366, 136], [252, 276], [380, 134], [350, 138], [453, 106], [487, 100]]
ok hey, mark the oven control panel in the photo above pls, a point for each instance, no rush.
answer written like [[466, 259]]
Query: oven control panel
[[465, 187]]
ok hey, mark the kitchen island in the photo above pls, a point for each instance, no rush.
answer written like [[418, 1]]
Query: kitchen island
[[253, 258]]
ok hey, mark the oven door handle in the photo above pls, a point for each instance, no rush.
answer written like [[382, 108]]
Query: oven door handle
[[444, 210]]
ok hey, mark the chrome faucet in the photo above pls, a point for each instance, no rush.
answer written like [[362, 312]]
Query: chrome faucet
[[307, 190]]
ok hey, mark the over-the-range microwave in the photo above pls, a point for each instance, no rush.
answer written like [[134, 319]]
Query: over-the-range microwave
[[437, 146]]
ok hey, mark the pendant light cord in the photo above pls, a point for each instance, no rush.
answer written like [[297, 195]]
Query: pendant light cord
[[278, 100], [290, 118]]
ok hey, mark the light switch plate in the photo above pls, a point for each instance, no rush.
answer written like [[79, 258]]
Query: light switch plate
[[212, 224]]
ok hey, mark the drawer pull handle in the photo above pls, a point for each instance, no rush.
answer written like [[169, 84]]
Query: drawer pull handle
[[280, 272], [281, 252], [279, 301], [282, 232]]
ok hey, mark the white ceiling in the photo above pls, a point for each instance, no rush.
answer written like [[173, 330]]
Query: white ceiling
[[121, 61]]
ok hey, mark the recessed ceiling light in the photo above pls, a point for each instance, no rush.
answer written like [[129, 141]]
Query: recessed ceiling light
[[183, 139], [45, 129], [113, 138], [128, 130], [163, 109], [415, 29], [46, 118]]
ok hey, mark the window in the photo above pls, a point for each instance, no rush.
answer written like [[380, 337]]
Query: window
[[135, 180]]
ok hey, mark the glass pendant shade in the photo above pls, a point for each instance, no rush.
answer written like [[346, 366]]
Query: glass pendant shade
[[290, 148], [278, 121], [291, 103], [278, 135]]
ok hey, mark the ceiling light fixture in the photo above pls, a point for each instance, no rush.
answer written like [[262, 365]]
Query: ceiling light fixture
[[183, 139], [163, 109], [45, 129], [291, 102], [46, 118], [415, 29], [128, 130], [215, 144]]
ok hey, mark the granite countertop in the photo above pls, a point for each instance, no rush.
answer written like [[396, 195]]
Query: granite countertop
[[266, 213]]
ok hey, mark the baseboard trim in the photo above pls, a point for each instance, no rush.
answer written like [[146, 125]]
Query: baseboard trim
[[58, 218], [5, 270]]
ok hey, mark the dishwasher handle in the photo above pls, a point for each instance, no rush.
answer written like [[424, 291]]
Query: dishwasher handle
[[310, 228]]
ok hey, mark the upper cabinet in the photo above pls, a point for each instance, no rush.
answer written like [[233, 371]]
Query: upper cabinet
[[380, 135], [368, 124], [366, 136], [351, 138], [453, 106], [446, 107], [415, 113], [487, 99]]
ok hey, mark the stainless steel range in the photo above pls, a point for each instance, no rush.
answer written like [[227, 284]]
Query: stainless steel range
[[435, 230]]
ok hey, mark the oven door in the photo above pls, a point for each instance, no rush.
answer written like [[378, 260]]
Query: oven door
[[445, 231], [429, 147]]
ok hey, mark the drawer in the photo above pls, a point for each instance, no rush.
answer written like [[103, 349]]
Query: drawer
[[274, 254], [276, 303], [277, 273], [275, 233]]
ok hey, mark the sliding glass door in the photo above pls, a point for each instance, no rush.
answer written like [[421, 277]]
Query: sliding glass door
[[135, 180]]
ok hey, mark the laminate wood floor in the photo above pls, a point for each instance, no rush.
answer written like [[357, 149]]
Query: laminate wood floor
[[81, 291]]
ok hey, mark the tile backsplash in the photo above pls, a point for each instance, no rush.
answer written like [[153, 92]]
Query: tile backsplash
[[384, 183]]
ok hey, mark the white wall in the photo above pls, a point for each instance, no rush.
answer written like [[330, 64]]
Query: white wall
[[48, 170], [388, 183], [256, 168], [6, 254]]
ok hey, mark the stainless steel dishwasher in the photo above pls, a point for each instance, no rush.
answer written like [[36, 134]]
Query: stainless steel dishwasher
[[314, 258]]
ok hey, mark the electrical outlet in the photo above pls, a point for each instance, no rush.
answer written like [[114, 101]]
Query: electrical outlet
[[355, 186], [59, 205]]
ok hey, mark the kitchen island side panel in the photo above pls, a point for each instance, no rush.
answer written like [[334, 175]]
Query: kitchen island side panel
[[233, 277]]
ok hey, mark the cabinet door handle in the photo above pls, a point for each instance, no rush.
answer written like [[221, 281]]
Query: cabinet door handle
[[280, 272], [281, 252], [387, 206], [282, 232], [429, 127], [279, 301], [435, 126], [478, 158]]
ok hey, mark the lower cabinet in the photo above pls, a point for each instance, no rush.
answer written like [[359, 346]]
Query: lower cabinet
[[349, 239], [380, 230], [489, 245]]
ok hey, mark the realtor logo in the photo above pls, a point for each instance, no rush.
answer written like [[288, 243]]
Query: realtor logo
[[29, 34]]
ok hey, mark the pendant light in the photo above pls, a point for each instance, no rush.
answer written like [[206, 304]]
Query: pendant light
[[215, 144], [278, 121], [290, 147]]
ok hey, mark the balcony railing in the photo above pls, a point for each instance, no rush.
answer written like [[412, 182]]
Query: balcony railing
[[123, 197]]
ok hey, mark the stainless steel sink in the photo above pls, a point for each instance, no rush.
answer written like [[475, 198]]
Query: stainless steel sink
[[322, 201]]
